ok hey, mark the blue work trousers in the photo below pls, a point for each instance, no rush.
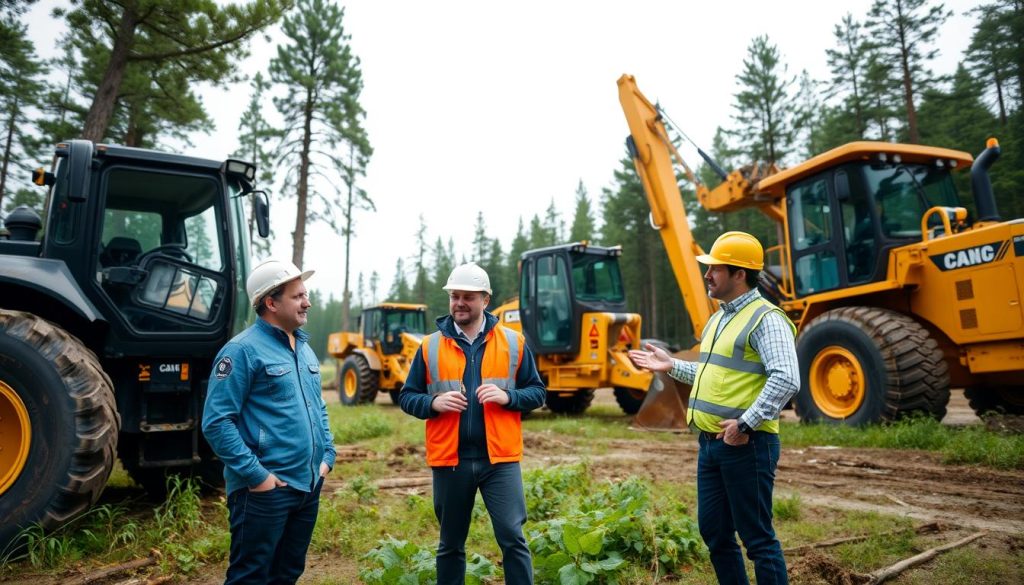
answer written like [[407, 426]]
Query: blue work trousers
[[734, 495], [270, 533], [501, 486]]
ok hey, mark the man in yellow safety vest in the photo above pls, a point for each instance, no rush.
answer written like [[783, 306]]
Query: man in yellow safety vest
[[746, 373]]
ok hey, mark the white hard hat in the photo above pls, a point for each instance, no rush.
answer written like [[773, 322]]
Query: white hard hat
[[269, 275], [468, 277]]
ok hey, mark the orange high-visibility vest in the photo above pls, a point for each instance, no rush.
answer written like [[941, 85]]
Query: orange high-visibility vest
[[446, 363]]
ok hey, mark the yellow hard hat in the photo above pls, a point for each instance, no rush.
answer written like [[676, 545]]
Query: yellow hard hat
[[735, 249]]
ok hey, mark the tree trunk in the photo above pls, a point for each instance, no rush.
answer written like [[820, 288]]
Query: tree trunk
[[7, 152], [102, 109], [345, 295], [908, 84], [302, 204]]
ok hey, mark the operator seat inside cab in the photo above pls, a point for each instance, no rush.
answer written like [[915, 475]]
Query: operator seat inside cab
[[120, 251]]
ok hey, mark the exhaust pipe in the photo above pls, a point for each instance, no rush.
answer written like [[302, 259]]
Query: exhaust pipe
[[981, 185]]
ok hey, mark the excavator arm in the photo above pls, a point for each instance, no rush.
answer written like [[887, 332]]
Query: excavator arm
[[651, 150]]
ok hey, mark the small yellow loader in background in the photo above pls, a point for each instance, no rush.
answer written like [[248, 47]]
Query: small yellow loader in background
[[379, 355], [895, 294]]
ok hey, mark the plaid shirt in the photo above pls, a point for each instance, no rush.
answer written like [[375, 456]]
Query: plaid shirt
[[773, 340]]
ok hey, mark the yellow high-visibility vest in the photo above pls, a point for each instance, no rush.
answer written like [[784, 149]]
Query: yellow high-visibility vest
[[730, 374]]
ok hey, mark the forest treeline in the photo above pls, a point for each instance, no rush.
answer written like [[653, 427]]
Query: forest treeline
[[127, 75]]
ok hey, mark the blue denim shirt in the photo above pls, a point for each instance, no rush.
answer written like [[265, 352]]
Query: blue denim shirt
[[264, 413], [528, 394]]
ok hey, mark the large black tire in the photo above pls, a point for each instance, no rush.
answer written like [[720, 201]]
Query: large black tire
[[209, 473], [862, 365], [357, 383], [68, 425], [987, 400], [629, 399], [576, 403]]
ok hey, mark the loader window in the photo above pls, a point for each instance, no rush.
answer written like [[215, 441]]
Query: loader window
[[597, 278], [811, 220], [554, 327], [904, 192]]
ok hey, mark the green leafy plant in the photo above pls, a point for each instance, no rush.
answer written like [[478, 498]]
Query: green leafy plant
[[398, 562]]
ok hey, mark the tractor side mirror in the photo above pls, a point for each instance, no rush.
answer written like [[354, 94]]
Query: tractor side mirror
[[261, 211]]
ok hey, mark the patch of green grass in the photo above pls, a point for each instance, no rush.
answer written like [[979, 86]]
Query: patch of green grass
[[351, 424], [961, 445], [789, 508]]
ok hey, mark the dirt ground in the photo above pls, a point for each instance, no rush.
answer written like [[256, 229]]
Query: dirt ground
[[912, 484]]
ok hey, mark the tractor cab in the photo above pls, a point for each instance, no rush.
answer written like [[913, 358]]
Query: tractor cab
[[558, 285], [384, 325]]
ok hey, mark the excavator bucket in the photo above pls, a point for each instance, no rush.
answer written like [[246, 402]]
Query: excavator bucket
[[664, 408]]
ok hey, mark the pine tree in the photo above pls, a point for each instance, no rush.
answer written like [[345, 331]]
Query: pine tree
[[254, 135], [399, 292], [764, 109], [583, 227], [992, 53], [196, 37], [847, 63], [20, 86], [444, 262], [421, 282], [902, 32]]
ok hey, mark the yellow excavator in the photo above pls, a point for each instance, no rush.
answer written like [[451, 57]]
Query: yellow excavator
[[896, 293], [378, 356]]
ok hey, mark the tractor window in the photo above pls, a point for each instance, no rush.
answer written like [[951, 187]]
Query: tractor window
[[858, 225], [160, 254], [554, 327], [597, 278]]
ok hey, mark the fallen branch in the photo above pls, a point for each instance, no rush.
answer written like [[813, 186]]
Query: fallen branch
[[922, 529], [106, 572], [897, 500], [882, 575], [403, 482]]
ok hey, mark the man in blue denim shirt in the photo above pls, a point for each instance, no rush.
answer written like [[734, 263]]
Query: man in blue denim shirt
[[265, 419]]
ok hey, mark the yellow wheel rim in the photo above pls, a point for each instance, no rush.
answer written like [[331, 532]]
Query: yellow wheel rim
[[837, 382], [350, 384], [15, 436]]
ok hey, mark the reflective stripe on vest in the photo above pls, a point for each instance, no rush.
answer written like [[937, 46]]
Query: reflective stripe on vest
[[731, 374], [446, 365]]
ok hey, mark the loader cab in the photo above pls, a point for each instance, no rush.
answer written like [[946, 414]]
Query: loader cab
[[385, 324], [844, 220], [561, 283]]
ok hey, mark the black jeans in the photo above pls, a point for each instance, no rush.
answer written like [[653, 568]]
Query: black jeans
[[501, 486], [734, 494], [270, 533]]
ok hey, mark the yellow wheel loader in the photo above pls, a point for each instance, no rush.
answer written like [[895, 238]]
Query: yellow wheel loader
[[896, 294], [572, 311], [379, 355]]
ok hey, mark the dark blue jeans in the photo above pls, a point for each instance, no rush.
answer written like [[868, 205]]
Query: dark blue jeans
[[501, 486], [270, 532], [734, 494]]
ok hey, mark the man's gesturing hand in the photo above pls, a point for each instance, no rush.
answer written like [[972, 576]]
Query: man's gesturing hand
[[491, 393], [654, 359], [452, 401]]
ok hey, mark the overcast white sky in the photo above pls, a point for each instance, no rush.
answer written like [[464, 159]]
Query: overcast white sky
[[502, 107]]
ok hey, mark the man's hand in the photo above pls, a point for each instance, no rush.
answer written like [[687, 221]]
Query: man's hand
[[452, 401], [268, 484], [731, 433], [324, 469], [654, 359], [491, 393]]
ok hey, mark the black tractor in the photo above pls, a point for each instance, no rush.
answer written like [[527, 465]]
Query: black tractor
[[111, 311]]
